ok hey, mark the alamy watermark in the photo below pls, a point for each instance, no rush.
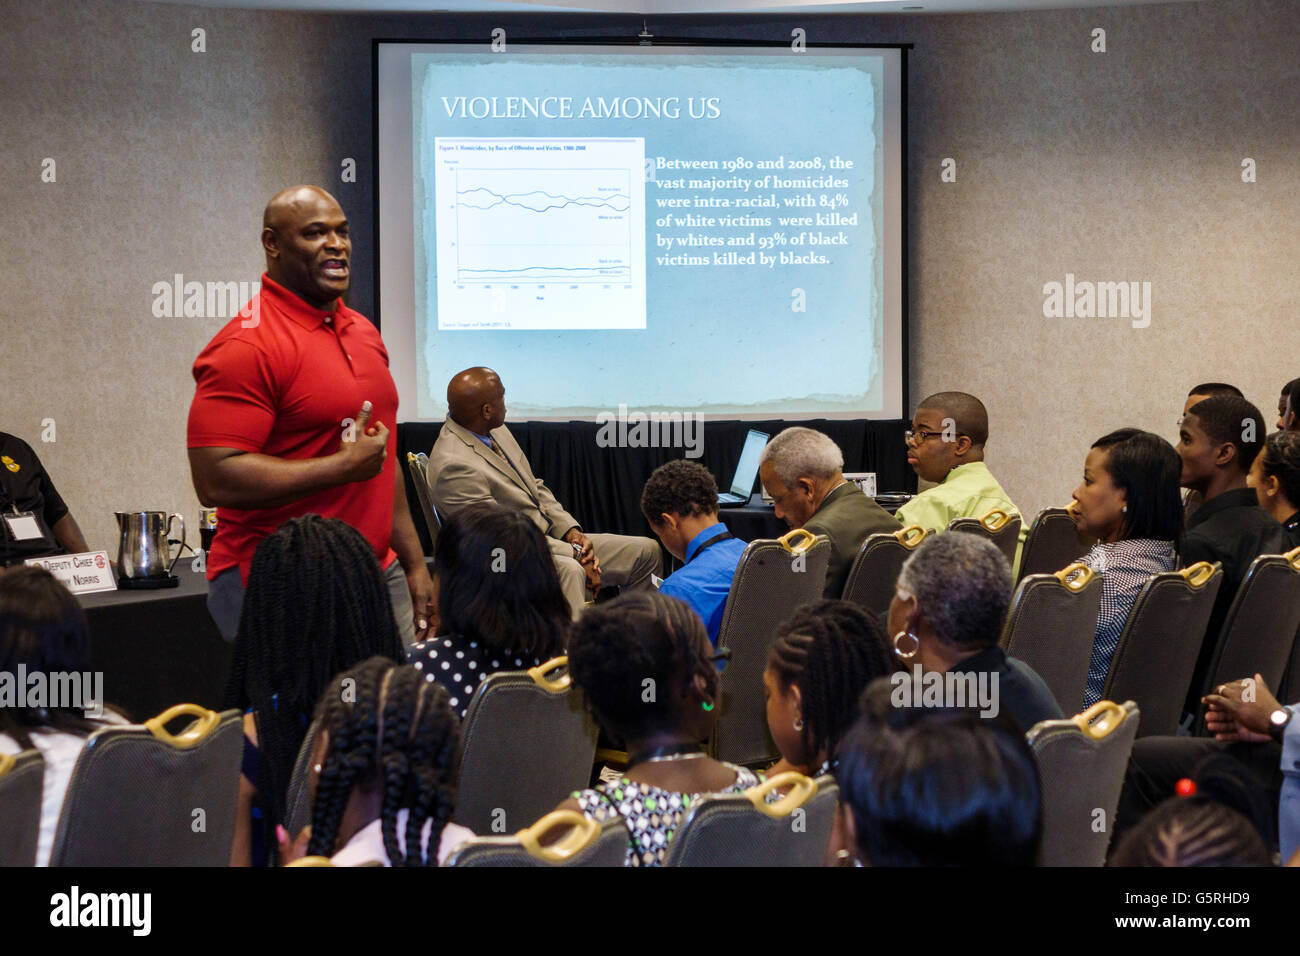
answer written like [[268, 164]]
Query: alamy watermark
[[55, 690], [652, 430], [946, 689]]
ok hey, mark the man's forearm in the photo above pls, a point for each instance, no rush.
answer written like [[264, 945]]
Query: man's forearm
[[68, 534], [253, 480]]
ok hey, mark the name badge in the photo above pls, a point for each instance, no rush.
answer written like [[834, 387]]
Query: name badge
[[24, 527], [80, 573]]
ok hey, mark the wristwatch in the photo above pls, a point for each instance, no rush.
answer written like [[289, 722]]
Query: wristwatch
[[1277, 723]]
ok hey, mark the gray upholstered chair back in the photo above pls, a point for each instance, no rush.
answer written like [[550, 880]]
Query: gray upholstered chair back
[[587, 842], [743, 829], [1051, 626], [874, 573], [772, 579], [1052, 543], [417, 464], [527, 743], [136, 792], [998, 526], [1156, 655], [1289, 685], [297, 803], [1081, 764], [1260, 629], [22, 777]]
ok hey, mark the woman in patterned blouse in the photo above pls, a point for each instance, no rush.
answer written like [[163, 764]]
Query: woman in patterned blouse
[[1129, 501], [648, 672]]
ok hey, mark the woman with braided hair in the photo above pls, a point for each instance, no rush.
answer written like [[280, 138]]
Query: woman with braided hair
[[316, 605], [648, 672], [822, 660], [383, 780]]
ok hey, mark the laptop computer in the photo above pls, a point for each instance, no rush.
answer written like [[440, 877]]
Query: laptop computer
[[742, 486]]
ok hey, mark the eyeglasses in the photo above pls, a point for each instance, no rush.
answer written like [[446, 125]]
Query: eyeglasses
[[919, 436]]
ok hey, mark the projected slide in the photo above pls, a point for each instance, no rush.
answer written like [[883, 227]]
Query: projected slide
[[543, 233], [701, 230]]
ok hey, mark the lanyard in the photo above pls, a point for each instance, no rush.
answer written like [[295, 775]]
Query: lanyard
[[708, 544]]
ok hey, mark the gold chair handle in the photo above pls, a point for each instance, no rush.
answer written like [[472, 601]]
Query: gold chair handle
[[802, 789], [911, 536], [1199, 573], [1293, 558], [7, 762], [411, 457], [556, 685], [1111, 716], [1072, 507], [582, 831], [808, 539], [312, 861], [191, 736], [995, 520], [1075, 576]]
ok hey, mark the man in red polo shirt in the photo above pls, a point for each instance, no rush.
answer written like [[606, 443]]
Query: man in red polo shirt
[[291, 412]]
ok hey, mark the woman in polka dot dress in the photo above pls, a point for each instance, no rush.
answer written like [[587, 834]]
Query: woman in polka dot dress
[[500, 606], [648, 672]]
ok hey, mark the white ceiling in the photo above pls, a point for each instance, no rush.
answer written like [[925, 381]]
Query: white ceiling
[[663, 7]]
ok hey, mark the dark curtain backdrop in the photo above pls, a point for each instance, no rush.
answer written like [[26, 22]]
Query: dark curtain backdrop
[[601, 487]]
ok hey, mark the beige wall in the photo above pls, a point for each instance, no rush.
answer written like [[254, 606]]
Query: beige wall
[[1115, 166]]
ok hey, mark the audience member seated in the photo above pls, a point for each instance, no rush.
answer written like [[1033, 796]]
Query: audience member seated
[[1218, 442], [500, 606], [647, 671], [947, 616], [1251, 729], [1275, 476], [927, 786], [43, 630], [383, 770], [1287, 420], [946, 445], [803, 472], [476, 459], [316, 604], [1192, 830], [1129, 502], [681, 503], [1192, 499], [820, 662]]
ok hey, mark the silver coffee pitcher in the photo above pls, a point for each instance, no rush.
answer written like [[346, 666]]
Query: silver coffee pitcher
[[143, 551]]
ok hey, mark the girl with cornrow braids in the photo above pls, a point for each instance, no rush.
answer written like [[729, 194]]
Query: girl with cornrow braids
[[822, 660], [384, 770], [316, 605]]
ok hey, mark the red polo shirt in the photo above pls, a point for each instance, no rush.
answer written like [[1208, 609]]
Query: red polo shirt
[[284, 387]]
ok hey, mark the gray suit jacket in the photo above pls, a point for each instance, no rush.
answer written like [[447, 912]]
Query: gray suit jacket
[[463, 470]]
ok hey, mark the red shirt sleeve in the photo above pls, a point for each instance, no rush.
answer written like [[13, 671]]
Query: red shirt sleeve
[[235, 401]]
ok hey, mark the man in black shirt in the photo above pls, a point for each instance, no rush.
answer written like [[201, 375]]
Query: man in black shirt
[[1218, 441], [34, 521]]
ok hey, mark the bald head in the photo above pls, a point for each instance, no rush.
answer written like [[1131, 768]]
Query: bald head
[[476, 400], [968, 413], [307, 245]]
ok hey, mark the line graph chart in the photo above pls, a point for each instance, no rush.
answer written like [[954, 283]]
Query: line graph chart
[[547, 234]]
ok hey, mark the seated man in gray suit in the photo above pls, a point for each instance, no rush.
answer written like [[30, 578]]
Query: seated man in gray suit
[[802, 470], [477, 459]]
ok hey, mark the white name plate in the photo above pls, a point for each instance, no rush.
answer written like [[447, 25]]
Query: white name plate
[[81, 573], [866, 480]]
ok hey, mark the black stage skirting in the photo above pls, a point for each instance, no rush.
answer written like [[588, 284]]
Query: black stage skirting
[[601, 487]]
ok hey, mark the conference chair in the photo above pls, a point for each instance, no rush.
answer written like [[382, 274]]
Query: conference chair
[[1000, 527], [1053, 542], [22, 777], [586, 842], [874, 573], [297, 803], [1156, 655], [140, 795], [1081, 763], [1289, 686], [772, 578], [1051, 626], [745, 829], [1259, 631], [527, 743], [417, 466]]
